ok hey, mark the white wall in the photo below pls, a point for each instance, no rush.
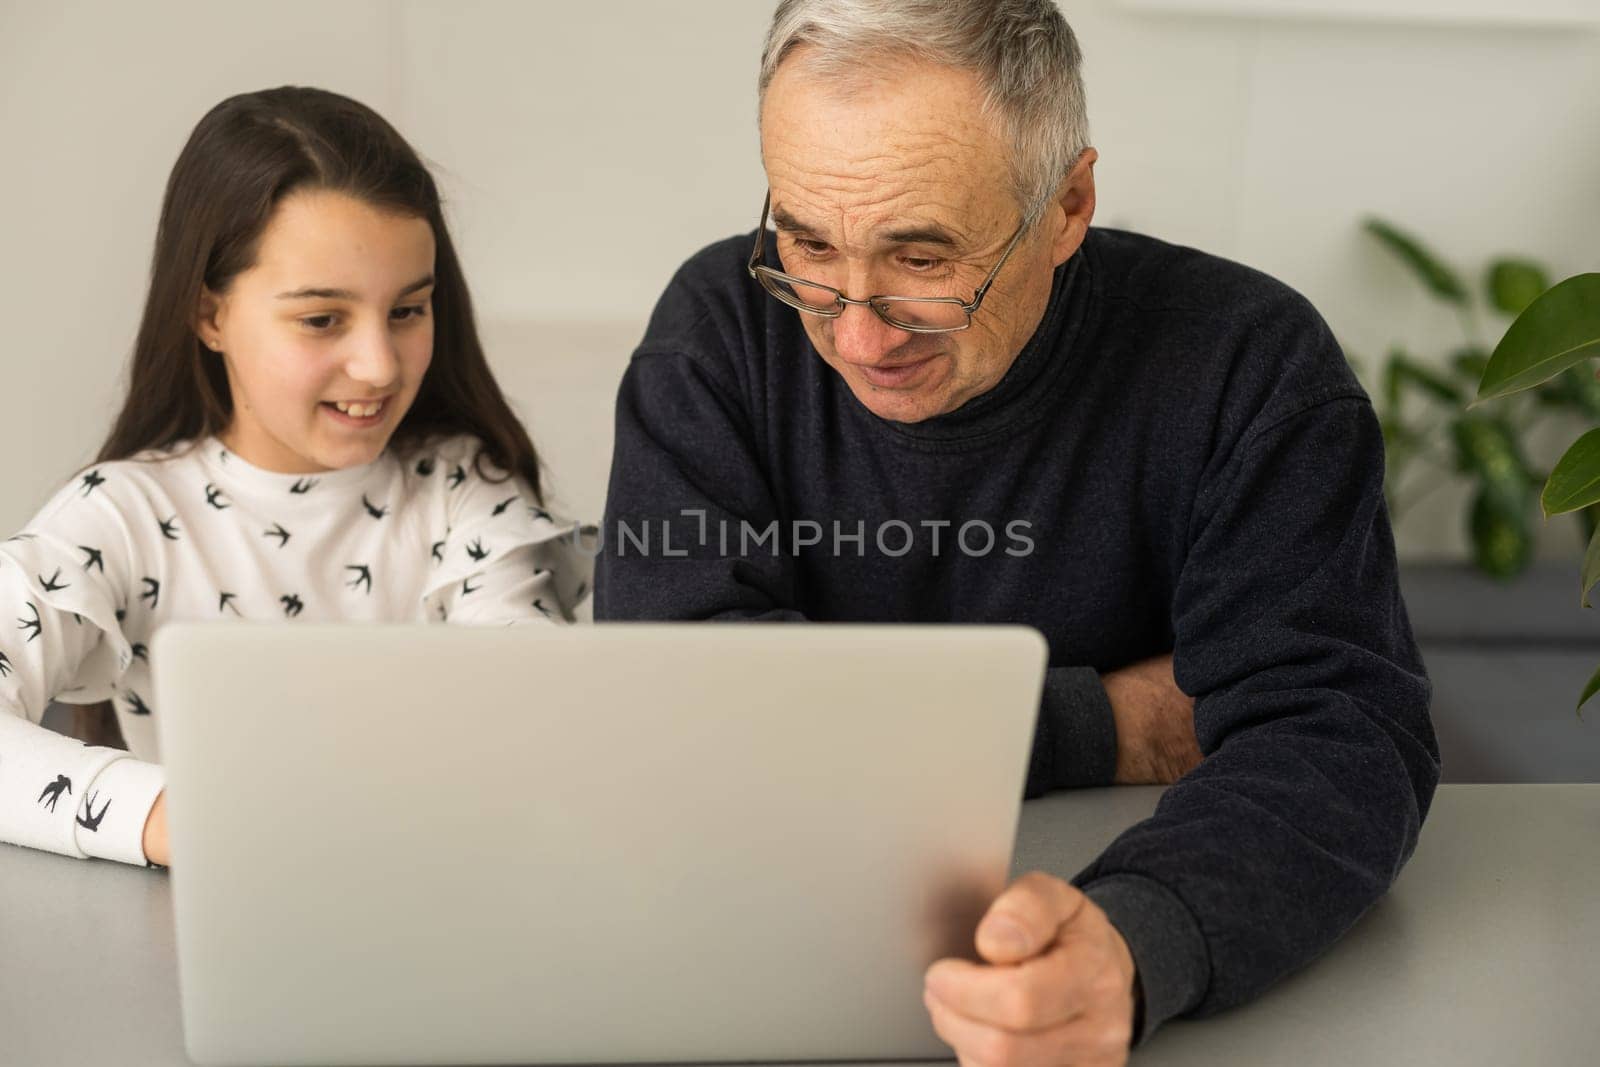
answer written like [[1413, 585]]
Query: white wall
[[586, 150]]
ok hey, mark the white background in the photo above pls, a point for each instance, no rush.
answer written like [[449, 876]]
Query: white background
[[1550, 12]]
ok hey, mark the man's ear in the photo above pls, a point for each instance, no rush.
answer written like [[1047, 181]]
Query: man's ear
[[207, 320], [1074, 202]]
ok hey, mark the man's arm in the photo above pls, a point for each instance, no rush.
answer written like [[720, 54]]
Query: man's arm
[[1312, 712], [1156, 743], [1320, 765]]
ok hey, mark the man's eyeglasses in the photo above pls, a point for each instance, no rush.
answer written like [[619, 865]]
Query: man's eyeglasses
[[916, 314]]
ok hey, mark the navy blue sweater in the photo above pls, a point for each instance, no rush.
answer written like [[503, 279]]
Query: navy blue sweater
[[1179, 460]]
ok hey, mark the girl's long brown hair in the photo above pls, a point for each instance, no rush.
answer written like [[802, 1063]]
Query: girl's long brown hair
[[246, 154]]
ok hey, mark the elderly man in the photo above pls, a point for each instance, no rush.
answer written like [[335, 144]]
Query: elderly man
[[934, 393]]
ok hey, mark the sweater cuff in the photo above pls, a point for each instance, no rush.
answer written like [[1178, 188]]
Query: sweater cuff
[[1165, 940], [1075, 739], [115, 808]]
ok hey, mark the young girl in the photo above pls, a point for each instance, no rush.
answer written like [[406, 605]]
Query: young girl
[[311, 432]]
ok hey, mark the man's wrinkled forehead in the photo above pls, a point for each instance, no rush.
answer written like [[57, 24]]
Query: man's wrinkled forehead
[[909, 150]]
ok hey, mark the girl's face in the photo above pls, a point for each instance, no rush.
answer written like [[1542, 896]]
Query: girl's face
[[327, 337]]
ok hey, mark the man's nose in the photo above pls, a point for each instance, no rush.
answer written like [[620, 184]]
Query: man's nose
[[860, 336]]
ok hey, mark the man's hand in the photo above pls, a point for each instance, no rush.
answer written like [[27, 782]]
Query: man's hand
[[1057, 990], [1155, 723]]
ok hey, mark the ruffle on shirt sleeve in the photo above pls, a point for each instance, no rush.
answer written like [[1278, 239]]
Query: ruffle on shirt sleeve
[[505, 559], [68, 590]]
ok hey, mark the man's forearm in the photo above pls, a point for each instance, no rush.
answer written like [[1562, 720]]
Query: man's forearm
[[1156, 743]]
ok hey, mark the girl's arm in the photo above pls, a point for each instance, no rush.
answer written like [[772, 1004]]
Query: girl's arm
[[57, 793], [63, 594]]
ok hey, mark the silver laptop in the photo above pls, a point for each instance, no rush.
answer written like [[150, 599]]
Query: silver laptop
[[625, 843]]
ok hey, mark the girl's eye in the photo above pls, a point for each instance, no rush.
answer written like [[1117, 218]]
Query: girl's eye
[[317, 322], [410, 311]]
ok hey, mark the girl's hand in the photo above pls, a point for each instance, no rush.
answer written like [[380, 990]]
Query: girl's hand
[[155, 833]]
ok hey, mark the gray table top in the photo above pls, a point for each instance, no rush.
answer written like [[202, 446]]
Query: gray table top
[[1486, 951]]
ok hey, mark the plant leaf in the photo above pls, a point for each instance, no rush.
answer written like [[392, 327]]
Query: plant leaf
[[1501, 543], [1591, 568], [1487, 446], [1439, 279], [1574, 389], [1408, 370], [1559, 330], [1391, 388], [1513, 284], [1575, 481], [1589, 690], [1470, 362]]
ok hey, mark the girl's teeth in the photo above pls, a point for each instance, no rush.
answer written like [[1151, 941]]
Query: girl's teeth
[[360, 411]]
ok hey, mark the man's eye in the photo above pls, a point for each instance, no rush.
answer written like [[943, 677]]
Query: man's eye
[[921, 266], [811, 248]]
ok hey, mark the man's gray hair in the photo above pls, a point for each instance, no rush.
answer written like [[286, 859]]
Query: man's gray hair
[[1024, 54]]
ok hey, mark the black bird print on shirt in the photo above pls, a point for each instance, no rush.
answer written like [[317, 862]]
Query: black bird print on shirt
[[458, 474], [225, 601], [539, 513], [62, 784], [292, 605], [92, 822], [140, 652], [424, 467], [32, 624], [5, 665], [477, 551], [95, 560], [136, 704], [582, 588], [54, 582], [363, 577], [302, 486], [169, 528], [539, 603], [152, 592], [92, 481], [500, 508], [215, 498], [438, 552], [467, 587], [372, 509], [279, 532]]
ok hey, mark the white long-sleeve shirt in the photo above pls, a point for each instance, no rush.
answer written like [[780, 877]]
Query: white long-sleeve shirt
[[197, 534]]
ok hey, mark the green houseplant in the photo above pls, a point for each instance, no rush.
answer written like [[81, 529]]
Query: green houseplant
[[1552, 337], [1431, 418]]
